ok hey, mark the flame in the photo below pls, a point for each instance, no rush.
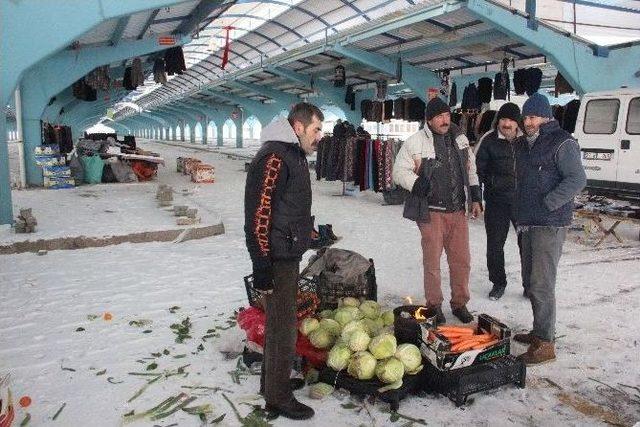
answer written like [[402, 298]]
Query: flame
[[418, 315], [408, 300]]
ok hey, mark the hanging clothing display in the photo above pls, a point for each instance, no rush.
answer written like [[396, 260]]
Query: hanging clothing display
[[59, 135], [174, 61], [444, 84], [159, 73], [471, 98], [527, 80], [388, 111], [353, 156], [137, 75], [485, 89], [99, 78], [414, 110], [83, 91], [398, 109], [350, 97], [453, 95], [562, 85], [501, 86], [126, 80], [339, 76], [570, 115]]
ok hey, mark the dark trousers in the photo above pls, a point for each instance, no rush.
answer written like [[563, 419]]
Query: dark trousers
[[498, 217], [541, 250], [280, 333]]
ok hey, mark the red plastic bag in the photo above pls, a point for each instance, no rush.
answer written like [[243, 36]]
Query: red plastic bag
[[252, 321], [316, 357]]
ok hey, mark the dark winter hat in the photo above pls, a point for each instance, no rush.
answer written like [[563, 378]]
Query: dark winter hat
[[537, 105], [435, 107], [509, 111]]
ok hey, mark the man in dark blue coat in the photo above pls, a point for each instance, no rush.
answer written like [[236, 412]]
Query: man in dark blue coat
[[549, 176]]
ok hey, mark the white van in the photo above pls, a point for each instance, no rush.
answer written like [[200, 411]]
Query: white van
[[608, 131]]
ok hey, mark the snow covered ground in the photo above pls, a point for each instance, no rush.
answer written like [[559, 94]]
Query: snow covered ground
[[45, 299]]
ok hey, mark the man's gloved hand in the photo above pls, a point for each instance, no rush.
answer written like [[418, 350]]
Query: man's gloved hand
[[420, 187], [263, 279]]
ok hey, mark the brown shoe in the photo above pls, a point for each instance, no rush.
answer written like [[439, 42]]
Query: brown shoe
[[539, 352], [527, 338]]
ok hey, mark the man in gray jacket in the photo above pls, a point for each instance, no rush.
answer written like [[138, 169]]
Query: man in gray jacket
[[549, 176], [437, 165]]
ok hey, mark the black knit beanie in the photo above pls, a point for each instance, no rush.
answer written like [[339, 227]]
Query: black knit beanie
[[509, 111], [435, 107]]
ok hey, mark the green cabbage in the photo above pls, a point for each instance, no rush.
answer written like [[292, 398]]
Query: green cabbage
[[331, 326], [410, 357], [388, 318], [383, 346], [350, 328], [338, 357], [343, 316], [390, 370], [326, 314], [355, 312], [370, 309], [362, 365], [321, 338], [359, 340], [349, 302], [308, 325], [320, 390]]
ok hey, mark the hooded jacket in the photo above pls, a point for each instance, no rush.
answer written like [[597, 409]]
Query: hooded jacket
[[277, 198]]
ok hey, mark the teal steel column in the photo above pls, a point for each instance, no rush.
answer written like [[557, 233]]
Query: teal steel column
[[6, 204], [239, 122], [220, 132]]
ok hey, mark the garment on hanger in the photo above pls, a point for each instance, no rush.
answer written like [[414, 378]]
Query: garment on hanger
[[174, 61], [339, 76], [485, 88], [159, 73], [453, 95]]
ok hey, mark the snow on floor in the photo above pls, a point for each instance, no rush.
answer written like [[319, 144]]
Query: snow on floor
[[46, 298]]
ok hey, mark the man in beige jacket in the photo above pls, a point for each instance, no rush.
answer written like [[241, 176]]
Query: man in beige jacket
[[437, 165]]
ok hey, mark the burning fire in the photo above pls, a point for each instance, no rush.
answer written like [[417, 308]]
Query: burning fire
[[418, 313], [408, 300]]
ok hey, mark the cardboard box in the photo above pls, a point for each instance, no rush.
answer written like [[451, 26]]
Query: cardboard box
[[49, 160], [58, 171], [46, 149], [437, 351], [56, 183]]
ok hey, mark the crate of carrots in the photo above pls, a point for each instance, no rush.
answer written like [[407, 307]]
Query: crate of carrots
[[450, 347]]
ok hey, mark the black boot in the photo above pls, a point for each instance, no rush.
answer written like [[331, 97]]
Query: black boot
[[440, 319], [463, 314], [496, 293], [330, 233], [292, 409]]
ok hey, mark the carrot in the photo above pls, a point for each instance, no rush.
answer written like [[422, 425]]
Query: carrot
[[484, 345], [469, 343], [455, 329]]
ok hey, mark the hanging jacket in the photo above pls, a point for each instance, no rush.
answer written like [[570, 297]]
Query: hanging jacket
[[519, 77], [398, 109], [562, 85], [159, 73], [174, 61], [453, 95], [137, 75], [533, 80], [485, 88], [470, 98], [570, 115], [416, 107], [126, 80], [500, 89]]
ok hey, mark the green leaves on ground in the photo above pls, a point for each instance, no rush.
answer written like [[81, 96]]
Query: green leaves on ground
[[182, 330]]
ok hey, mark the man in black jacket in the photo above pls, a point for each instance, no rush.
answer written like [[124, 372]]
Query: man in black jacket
[[495, 161], [278, 229]]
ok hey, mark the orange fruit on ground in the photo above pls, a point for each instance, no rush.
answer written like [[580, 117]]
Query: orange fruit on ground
[[107, 316], [25, 401]]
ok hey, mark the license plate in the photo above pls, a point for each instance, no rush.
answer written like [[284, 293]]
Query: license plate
[[590, 155]]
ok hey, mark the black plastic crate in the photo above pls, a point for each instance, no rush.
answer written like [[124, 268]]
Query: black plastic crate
[[411, 384], [305, 284], [459, 384], [330, 294]]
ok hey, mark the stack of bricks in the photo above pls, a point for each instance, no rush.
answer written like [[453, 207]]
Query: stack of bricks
[[164, 195], [26, 222], [186, 215], [199, 172]]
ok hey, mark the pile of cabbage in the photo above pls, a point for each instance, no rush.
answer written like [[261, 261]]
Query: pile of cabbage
[[359, 337]]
